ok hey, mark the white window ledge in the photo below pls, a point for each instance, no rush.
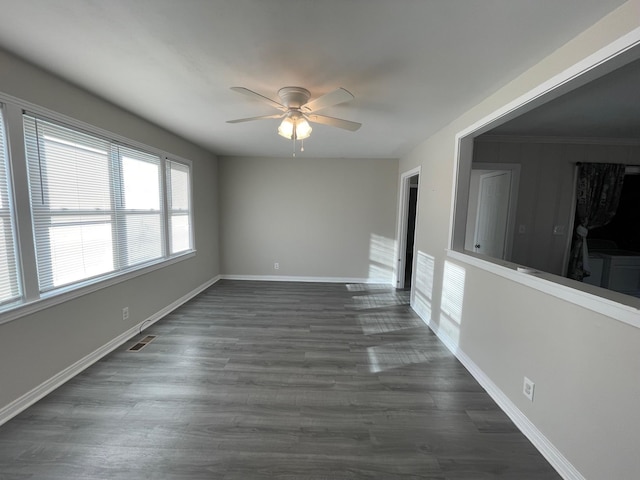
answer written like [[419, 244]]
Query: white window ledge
[[618, 306], [49, 299]]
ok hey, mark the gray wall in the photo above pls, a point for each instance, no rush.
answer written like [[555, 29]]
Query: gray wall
[[321, 218], [34, 348], [585, 364], [546, 190]]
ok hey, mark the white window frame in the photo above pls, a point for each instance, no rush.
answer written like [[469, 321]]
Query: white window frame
[[121, 212], [621, 307], [33, 300], [171, 211], [7, 213]]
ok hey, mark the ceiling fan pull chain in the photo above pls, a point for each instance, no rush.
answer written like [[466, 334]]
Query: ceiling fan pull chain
[[302, 145]]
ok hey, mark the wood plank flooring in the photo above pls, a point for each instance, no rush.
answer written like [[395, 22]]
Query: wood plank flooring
[[256, 380]]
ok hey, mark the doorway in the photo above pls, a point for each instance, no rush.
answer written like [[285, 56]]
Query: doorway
[[408, 210], [491, 219], [493, 200]]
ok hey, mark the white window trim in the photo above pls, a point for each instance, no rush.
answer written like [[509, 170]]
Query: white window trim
[[34, 301], [56, 297], [606, 302], [623, 308], [8, 213], [189, 213]]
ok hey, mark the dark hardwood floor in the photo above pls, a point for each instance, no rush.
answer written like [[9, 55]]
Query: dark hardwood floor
[[255, 380]]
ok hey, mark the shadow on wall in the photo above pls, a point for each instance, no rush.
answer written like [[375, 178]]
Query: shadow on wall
[[381, 258]]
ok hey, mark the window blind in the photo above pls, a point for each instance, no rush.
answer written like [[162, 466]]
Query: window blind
[[179, 200], [96, 205], [140, 207], [10, 287]]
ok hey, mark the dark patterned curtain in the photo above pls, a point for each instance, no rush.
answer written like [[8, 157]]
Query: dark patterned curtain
[[598, 195]]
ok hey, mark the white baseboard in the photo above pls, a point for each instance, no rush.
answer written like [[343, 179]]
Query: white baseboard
[[558, 461], [22, 403], [282, 278]]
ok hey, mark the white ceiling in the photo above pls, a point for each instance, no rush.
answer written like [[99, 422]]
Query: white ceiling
[[413, 65]]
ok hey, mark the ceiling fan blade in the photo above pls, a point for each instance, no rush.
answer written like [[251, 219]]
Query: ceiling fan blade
[[261, 117], [335, 122], [252, 94], [327, 100]]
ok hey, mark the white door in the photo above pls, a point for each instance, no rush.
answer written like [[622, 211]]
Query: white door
[[493, 213]]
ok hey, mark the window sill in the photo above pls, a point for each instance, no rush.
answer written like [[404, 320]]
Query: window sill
[[49, 299], [618, 306]]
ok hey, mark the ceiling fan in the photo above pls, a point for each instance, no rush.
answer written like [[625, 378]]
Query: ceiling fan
[[298, 111]]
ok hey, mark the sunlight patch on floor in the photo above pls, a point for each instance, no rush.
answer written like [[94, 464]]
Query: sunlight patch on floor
[[376, 323], [366, 287], [395, 355], [380, 300]]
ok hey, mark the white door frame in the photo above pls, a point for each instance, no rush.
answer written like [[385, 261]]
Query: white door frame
[[402, 226]]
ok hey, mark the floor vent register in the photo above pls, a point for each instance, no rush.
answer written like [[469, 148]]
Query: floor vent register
[[142, 343]]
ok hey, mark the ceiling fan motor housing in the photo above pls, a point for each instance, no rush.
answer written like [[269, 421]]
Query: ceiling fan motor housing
[[294, 97]]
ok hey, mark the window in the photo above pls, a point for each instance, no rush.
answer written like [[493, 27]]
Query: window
[[71, 202], [80, 210], [10, 290], [178, 180], [139, 211], [98, 206]]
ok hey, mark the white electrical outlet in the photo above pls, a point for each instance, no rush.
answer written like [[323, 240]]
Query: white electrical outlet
[[125, 313], [528, 388], [276, 266]]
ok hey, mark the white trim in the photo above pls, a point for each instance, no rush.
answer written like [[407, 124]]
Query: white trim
[[585, 70], [552, 88], [612, 304], [618, 306], [23, 402], [281, 278], [402, 225], [463, 148], [557, 460]]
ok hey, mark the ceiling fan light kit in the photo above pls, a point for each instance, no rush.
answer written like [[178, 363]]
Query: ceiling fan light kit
[[294, 126], [298, 111]]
